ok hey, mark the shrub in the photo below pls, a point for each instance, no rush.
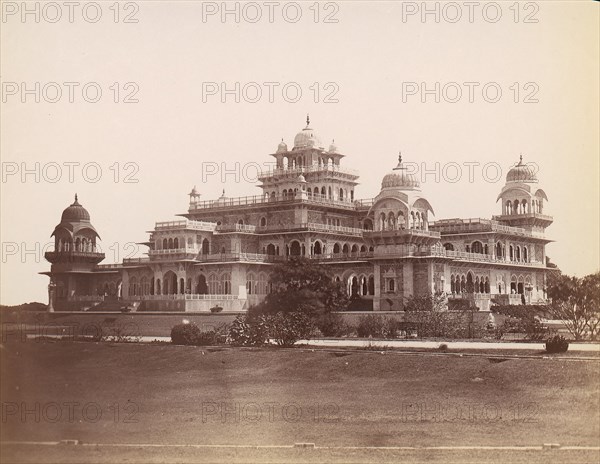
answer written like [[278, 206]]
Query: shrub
[[370, 326], [333, 325], [287, 329], [257, 329], [249, 330], [392, 327], [443, 347], [557, 344], [185, 334]]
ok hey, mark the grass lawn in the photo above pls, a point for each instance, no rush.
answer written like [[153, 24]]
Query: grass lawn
[[166, 394]]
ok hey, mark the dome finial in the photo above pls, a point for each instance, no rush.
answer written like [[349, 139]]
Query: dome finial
[[307, 120], [75, 197], [400, 157]]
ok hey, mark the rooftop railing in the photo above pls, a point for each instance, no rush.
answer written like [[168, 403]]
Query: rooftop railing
[[479, 225], [184, 224], [325, 168], [255, 200]]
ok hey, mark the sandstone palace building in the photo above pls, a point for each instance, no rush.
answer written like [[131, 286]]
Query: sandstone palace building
[[220, 254]]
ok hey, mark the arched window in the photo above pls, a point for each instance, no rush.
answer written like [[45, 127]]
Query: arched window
[[470, 284], [176, 243], [449, 246], [251, 284], [518, 253], [511, 253], [345, 249], [317, 248], [391, 285], [205, 247], [241, 222], [477, 247], [363, 249], [391, 222], [226, 283], [201, 285], [498, 250], [452, 284], [354, 249], [295, 249], [371, 285], [401, 220], [182, 285], [263, 221], [382, 221], [525, 254], [341, 194], [170, 244], [336, 248], [270, 249]]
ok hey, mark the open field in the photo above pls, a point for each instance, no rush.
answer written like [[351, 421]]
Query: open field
[[175, 395]]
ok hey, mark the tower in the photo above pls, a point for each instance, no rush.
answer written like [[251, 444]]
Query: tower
[[75, 255], [523, 203], [309, 170]]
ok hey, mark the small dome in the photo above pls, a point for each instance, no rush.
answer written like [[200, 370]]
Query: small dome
[[75, 213], [333, 147], [194, 192], [301, 179], [521, 173], [307, 138], [400, 178], [282, 147]]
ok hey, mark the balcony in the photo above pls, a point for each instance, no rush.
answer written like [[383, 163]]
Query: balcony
[[474, 225], [74, 256], [184, 224], [175, 253], [246, 228], [295, 172], [186, 296], [264, 200], [311, 227]]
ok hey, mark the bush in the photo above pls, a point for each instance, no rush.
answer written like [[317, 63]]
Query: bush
[[257, 330], [333, 325], [370, 326], [185, 334], [287, 329], [557, 344], [249, 330], [190, 334]]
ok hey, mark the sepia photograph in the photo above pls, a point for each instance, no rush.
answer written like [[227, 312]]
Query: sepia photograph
[[352, 231]]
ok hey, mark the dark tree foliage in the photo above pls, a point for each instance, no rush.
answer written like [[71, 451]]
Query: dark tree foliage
[[301, 285], [576, 301]]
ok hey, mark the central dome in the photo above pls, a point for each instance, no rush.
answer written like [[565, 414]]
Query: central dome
[[400, 178], [521, 173], [307, 138], [75, 213]]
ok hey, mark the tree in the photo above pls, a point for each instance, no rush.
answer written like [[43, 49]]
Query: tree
[[301, 285], [576, 302]]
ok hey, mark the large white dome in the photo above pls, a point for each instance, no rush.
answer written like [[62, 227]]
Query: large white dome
[[307, 138]]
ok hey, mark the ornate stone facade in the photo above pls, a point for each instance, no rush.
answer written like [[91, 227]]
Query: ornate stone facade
[[383, 249]]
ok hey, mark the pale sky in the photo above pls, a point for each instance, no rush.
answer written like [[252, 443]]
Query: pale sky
[[368, 56]]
